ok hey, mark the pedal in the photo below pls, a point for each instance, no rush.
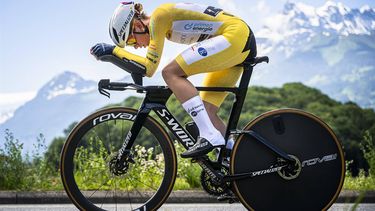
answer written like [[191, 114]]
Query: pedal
[[227, 197]]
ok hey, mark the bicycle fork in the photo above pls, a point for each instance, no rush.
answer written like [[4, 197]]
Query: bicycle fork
[[123, 154]]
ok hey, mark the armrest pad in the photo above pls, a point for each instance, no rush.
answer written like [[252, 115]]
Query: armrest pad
[[136, 70]]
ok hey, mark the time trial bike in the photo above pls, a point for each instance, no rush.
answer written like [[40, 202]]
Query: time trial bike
[[285, 159]]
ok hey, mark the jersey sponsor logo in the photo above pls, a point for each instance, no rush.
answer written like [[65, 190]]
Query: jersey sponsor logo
[[202, 51], [188, 26], [152, 46], [151, 59], [202, 27], [195, 26], [153, 54], [190, 31], [213, 11]]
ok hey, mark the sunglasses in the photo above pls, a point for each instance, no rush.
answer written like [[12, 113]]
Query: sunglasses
[[131, 40]]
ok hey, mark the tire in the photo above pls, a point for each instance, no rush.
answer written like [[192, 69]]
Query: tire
[[318, 177], [85, 167]]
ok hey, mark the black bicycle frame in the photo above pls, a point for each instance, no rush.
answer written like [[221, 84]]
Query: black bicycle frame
[[156, 99]]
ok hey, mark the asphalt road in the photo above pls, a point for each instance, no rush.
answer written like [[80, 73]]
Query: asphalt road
[[171, 207]]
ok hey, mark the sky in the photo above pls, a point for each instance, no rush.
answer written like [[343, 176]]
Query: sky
[[40, 39]]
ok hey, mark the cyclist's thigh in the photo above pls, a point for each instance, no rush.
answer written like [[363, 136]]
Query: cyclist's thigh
[[223, 78]]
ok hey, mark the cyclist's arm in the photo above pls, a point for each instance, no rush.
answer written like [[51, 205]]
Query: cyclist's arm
[[159, 25]]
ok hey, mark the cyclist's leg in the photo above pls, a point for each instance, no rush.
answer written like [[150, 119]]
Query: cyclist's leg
[[176, 80], [220, 52], [215, 119], [187, 94], [213, 100]]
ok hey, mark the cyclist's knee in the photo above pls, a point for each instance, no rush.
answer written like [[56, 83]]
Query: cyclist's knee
[[171, 71]]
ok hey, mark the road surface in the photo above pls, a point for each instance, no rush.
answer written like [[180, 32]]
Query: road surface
[[169, 207]]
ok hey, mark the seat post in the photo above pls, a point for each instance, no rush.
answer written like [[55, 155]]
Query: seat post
[[246, 75], [239, 99]]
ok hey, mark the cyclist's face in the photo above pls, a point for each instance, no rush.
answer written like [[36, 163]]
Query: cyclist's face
[[138, 40]]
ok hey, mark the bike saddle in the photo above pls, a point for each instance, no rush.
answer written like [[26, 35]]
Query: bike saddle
[[256, 60]]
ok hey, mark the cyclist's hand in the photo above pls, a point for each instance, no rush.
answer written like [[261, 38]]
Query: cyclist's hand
[[101, 49]]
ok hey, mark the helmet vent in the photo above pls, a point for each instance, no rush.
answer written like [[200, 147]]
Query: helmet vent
[[115, 35]]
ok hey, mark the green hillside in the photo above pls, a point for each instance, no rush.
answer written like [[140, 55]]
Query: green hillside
[[354, 126]]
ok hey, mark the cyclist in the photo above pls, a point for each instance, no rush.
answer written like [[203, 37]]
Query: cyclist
[[218, 40]]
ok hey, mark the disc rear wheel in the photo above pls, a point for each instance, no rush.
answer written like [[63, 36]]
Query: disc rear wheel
[[312, 182]]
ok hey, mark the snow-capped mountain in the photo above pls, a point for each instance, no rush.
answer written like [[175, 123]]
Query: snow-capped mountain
[[299, 23], [67, 83], [331, 47], [61, 101]]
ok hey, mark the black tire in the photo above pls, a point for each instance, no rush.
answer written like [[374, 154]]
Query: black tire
[[85, 157], [317, 183]]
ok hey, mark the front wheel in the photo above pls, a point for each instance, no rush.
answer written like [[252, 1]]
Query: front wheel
[[87, 163], [312, 182]]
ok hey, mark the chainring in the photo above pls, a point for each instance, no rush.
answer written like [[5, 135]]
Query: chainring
[[211, 187]]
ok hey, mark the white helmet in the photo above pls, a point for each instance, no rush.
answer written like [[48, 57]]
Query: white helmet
[[121, 23]]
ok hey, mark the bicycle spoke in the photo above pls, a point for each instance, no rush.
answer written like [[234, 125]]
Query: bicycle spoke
[[136, 189], [109, 133], [115, 182], [130, 201], [101, 206], [99, 187], [145, 184], [122, 131], [107, 147]]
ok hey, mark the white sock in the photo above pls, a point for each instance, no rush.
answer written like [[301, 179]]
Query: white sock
[[198, 113]]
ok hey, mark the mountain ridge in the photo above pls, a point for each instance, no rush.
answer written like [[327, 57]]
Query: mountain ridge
[[65, 99], [329, 47]]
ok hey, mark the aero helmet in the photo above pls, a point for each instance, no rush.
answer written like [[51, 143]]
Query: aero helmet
[[121, 23]]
